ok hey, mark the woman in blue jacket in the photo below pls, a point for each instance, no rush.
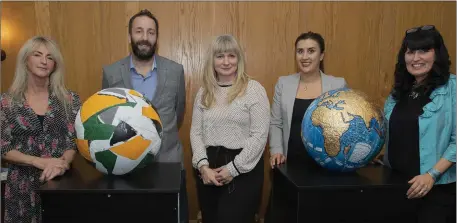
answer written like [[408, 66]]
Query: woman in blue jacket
[[421, 123]]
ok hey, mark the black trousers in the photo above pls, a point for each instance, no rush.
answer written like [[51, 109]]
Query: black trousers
[[237, 201], [183, 199], [438, 206]]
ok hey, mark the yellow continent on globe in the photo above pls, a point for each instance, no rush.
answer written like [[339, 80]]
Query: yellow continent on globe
[[335, 112]]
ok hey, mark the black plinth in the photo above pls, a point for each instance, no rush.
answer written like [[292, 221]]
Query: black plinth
[[371, 194], [148, 195]]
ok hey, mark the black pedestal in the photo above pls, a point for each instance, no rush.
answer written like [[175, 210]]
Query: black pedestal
[[372, 194], [148, 195]]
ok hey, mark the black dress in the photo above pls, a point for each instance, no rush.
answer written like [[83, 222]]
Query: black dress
[[296, 153]]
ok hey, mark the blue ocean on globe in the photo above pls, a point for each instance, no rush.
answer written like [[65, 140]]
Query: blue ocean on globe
[[343, 130]]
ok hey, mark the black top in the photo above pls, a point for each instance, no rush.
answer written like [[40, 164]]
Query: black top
[[404, 134], [41, 118], [297, 151]]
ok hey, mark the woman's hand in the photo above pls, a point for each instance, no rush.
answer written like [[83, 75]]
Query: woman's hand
[[43, 163], [208, 176], [276, 159], [420, 186], [223, 175], [50, 172]]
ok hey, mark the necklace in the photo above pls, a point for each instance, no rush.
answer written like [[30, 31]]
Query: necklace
[[305, 87], [414, 90]]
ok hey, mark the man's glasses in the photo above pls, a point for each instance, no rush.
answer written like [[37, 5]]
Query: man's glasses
[[415, 29]]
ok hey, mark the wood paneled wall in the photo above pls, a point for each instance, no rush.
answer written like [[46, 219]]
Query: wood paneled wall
[[362, 40]]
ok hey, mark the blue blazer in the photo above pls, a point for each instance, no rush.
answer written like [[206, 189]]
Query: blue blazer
[[436, 129]]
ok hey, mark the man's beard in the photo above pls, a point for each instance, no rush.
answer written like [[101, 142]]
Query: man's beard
[[143, 54]]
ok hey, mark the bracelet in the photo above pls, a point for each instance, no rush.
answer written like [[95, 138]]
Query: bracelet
[[434, 173]]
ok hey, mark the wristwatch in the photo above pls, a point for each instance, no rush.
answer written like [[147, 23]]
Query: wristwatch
[[434, 173]]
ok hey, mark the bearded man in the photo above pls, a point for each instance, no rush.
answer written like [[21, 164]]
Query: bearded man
[[161, 81]]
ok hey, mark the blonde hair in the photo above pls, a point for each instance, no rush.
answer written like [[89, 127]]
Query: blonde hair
[[223, 44], [56, 78]]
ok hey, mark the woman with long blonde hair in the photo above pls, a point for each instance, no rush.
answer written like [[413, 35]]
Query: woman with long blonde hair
[[229, 131], [37, 134]]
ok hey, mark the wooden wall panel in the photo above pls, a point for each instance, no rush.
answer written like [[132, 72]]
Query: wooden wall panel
[[81, 39], [113, 30], [362, 40], [43, 19], [15, 30]]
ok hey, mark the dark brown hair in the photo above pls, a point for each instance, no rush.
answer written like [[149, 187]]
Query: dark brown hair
[[147, 13]]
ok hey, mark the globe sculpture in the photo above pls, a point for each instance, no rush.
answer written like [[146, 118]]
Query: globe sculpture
[[342, 130], [118, 130]]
